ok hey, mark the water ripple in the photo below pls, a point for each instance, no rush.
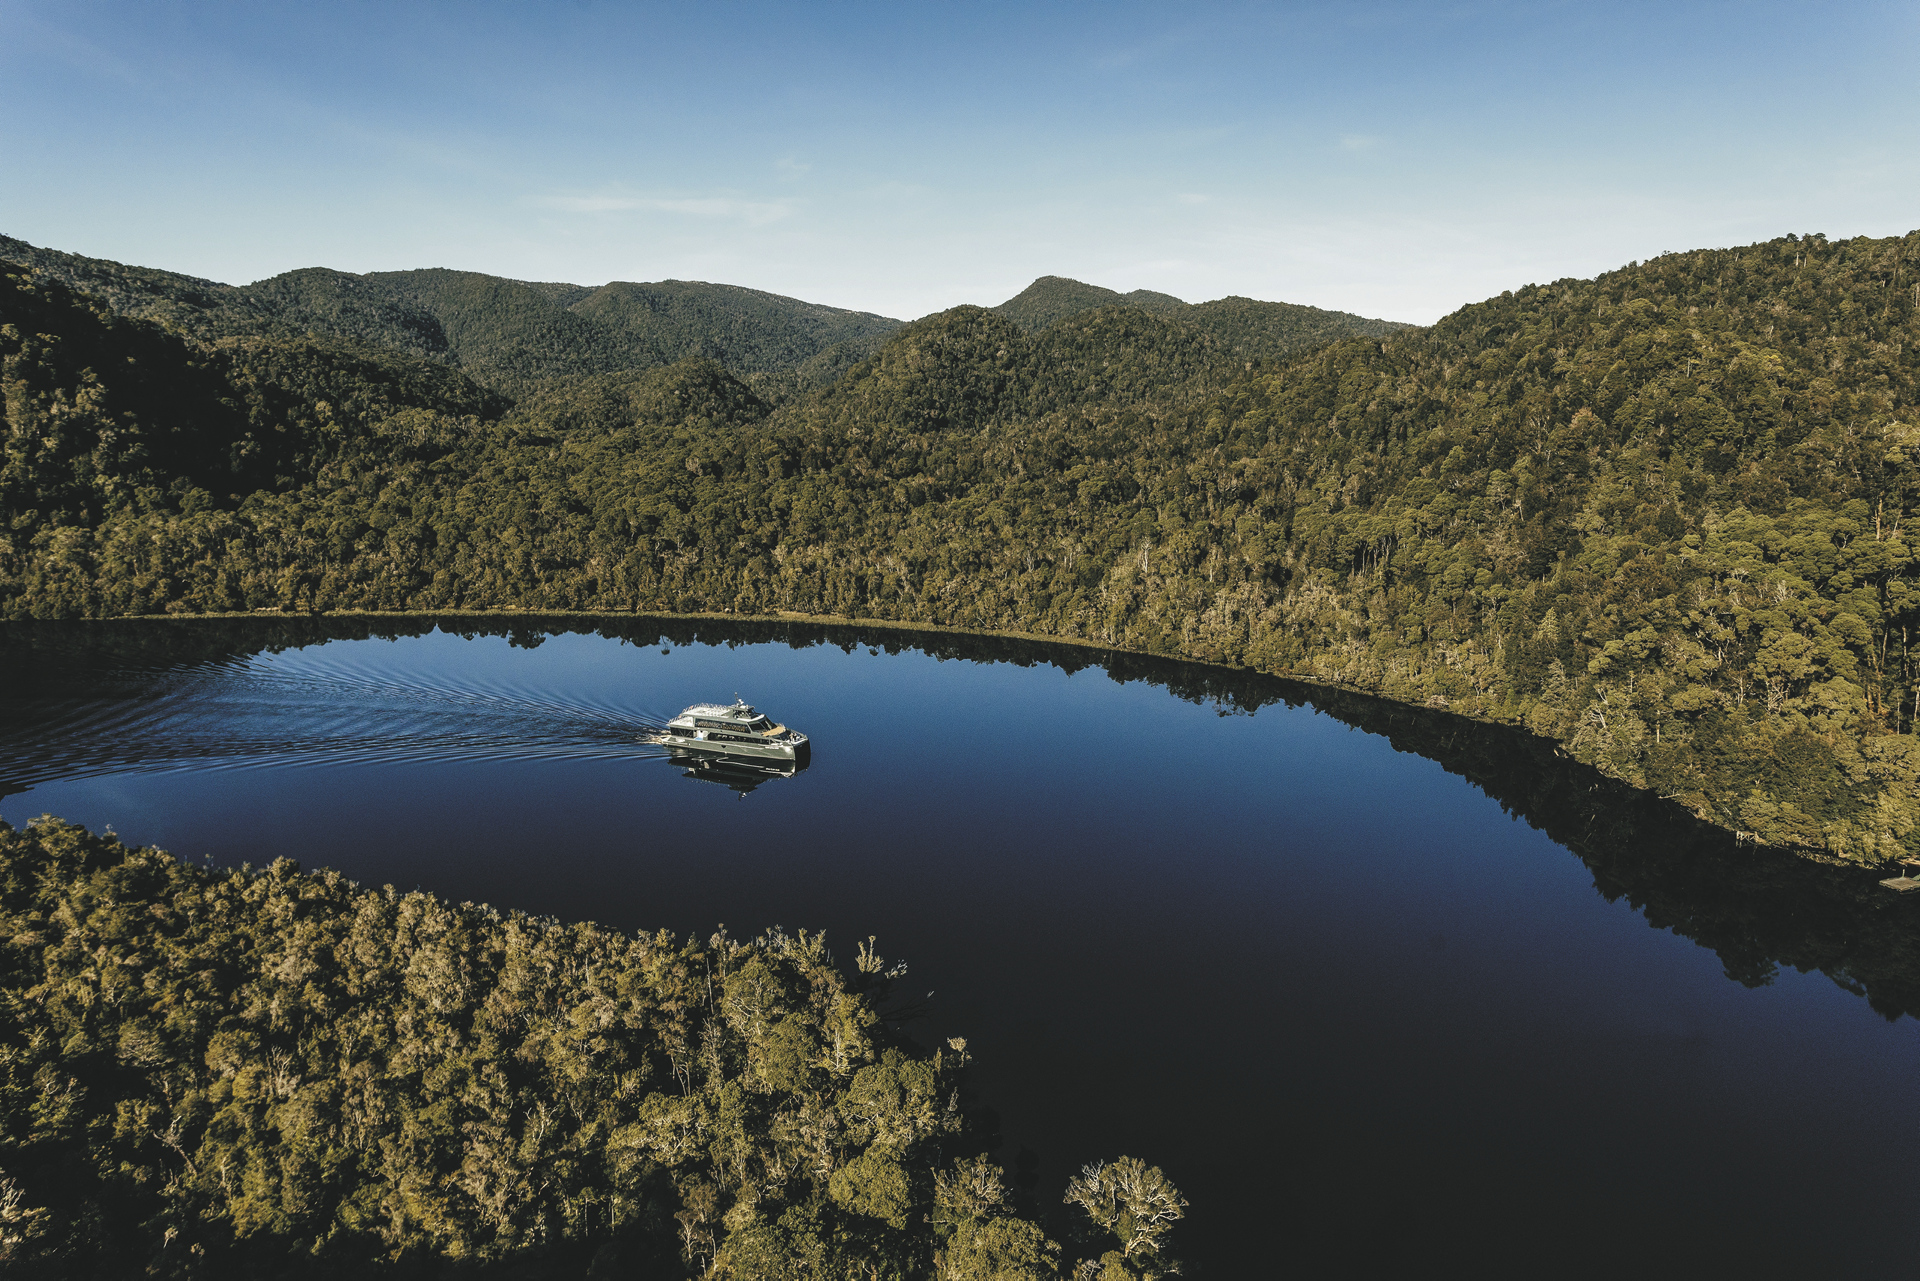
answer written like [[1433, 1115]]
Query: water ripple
[[236, 714]]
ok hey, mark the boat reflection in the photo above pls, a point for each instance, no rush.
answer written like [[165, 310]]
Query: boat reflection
[[741, 773]]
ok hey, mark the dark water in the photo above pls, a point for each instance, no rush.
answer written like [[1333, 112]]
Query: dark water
[[1367, 1013]]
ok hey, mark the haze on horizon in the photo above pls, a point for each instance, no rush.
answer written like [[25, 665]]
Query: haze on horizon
[[1391, 159]]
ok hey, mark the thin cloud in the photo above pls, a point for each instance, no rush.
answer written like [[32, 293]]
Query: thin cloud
[[754, 213], [1156, 46]]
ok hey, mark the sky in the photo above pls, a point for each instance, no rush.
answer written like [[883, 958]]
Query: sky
[[1397, 160]]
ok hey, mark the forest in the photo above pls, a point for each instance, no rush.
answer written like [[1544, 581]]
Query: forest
[[510, 333], [1660, 517], [1657, 519], [269, 1072]]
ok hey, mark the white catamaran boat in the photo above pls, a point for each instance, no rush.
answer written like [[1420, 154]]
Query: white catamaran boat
[[738, 730]]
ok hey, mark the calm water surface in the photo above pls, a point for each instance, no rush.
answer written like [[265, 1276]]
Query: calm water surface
[[1361, 1009]]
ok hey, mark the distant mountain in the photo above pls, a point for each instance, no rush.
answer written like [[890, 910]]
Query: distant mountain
[[514, 334], [970, 368], [1053, 298], [1247, 328], [507, 333]]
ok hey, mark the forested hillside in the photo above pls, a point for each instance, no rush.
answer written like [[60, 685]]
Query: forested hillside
[[1245, 328], [1661, 517], [267, 1073], [106, 414], [517, 336], [1052, 298], [506, 333]]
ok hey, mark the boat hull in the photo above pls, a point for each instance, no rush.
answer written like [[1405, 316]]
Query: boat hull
[[760, 751]]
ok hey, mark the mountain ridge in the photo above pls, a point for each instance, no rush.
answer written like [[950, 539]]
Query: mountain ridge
[[1248, 328], [507, 332], [513, 334]]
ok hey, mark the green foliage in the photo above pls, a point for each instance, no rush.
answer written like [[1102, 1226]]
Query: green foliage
[[1135, 1203], [982, 1238], [104, 414], [745, 329], [697, 395], [1662, 517], [1254, 330], [1054, 298], [256, 1073], [321, 301], [144, 292], [1243, 327]]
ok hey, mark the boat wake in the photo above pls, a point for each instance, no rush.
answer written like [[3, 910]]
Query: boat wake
[[275, 711]]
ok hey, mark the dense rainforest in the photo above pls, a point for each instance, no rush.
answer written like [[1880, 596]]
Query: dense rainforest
[[267, 1072], [1659, 517]]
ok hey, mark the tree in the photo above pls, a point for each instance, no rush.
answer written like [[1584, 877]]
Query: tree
[[1136, 1203]]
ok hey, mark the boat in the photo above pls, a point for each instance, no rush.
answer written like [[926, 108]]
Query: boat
[[738, 729]]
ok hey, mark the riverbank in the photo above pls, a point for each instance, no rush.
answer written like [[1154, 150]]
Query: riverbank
[[1472, 712]]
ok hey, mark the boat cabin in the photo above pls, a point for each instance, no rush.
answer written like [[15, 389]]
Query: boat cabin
[[740, 723]]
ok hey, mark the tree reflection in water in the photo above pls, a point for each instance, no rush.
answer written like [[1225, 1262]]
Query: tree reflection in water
[[1758, 909]]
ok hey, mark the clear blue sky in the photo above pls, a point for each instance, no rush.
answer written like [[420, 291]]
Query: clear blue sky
[[1398, 160]]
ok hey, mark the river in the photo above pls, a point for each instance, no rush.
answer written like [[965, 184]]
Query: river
[[1378, 987]]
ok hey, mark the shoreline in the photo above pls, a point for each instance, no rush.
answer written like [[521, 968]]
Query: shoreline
[[1807, 853]]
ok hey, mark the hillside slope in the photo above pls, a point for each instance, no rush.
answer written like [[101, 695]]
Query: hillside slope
[[1664, 517], [106, 414], [507, 333], [1246, 328], [1053, 298]]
